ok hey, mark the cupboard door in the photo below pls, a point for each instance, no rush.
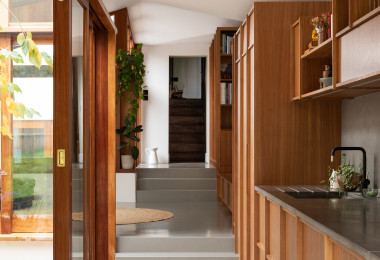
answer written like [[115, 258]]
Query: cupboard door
[[290, 236], [276, 232], [336, 251], [312, 247], [262, 244]]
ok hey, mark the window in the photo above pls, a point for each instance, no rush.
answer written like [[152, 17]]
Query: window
[[32, 11]]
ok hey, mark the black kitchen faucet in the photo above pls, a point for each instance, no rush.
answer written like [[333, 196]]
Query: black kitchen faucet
[[365, 182]]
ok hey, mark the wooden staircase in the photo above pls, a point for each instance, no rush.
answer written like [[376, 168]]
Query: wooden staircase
[[187, 141]]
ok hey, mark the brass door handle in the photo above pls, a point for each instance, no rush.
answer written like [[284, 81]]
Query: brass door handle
[[61, 158]]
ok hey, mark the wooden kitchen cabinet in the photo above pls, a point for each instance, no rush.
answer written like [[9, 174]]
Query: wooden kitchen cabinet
[[352, 51], [284, 236], [336, 251]]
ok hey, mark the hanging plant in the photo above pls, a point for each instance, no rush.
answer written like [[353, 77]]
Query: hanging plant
[[131, 73]]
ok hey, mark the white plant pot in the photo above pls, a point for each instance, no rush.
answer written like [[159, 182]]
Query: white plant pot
[[127, 162]]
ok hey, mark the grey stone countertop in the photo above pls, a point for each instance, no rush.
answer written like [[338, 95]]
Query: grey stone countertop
[[354, 223]]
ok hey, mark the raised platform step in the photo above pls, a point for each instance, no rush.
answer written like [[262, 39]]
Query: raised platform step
[[177, 256], [176, 196], [176, 173], [133, 244], [176, 184]]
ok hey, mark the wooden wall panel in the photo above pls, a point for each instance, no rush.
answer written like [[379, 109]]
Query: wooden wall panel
[[279, 133], [285, 130]]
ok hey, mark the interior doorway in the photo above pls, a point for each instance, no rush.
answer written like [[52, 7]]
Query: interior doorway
[[187, 109]]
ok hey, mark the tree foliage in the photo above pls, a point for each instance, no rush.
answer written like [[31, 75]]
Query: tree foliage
[[30, 50]]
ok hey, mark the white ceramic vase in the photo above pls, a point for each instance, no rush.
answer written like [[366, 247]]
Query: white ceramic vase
[[152, 155], [127, 162]]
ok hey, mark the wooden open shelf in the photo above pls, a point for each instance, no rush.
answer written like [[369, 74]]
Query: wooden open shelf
[[370, 80], [221, 123], [126, 171], [323, 50], [356, 87], [360, 23]]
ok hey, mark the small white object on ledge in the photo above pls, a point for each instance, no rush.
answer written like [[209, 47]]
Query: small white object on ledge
[[334, 185]]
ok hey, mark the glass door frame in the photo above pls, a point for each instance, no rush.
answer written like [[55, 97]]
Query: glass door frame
[[10, 223], [99, 131]]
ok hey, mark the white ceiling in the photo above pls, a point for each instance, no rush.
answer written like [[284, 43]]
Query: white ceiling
[[180, 21]]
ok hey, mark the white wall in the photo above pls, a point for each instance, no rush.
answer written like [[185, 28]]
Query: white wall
[[155, 111], [361, 127], [21, 250]]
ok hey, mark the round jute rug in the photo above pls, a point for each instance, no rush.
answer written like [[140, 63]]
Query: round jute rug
[[125, 216]]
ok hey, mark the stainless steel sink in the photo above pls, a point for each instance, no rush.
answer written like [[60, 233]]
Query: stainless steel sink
[[317, 192], [315, 195]]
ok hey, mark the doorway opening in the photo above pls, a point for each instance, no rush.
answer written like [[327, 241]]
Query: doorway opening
[[187, 109]]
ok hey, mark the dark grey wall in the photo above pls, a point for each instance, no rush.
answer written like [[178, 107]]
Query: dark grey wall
[[361, 127]]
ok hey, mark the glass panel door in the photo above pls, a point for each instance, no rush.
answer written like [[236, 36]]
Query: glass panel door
[[77, 158], [33, 144]]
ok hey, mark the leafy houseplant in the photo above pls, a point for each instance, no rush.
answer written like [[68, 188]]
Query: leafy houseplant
[[130, 131], [346, 175], [130, 75]]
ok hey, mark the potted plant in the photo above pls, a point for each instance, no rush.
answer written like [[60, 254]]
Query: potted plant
[[321, 23], [347, 177], [130, 75], [130, 131]]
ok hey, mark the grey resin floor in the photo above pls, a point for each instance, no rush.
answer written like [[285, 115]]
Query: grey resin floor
[[191, 219]]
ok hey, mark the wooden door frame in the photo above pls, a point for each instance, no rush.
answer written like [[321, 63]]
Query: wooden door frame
[[99, 131]]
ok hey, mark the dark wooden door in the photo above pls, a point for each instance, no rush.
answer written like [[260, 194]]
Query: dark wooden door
[[187, 124]]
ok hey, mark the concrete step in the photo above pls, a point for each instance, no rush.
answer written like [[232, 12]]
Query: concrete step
[[176, 196], [77, 243], [132, 244], [177, 256], [176, 184], [176, 173]]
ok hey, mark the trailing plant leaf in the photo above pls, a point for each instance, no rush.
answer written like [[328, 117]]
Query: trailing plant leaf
[[122, 144], [13, 87], [35, 58], [47, 59], [20, 38], [135, 152]]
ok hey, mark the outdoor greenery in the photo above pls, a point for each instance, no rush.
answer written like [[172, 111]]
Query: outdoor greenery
[[30, 50], [33, 165]]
